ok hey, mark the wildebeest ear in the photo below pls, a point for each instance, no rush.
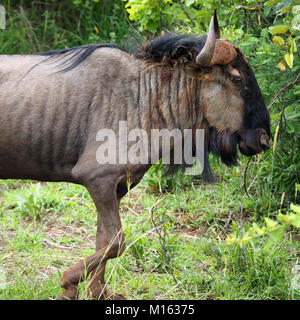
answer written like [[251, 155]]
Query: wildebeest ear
[[194, 70]]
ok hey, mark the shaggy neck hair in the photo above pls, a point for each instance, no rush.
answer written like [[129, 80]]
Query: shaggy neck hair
[[172, 49]]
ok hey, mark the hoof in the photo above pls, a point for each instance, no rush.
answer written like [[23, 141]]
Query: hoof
[[70, 293], [100, 294], [114, 296], [109, 295]]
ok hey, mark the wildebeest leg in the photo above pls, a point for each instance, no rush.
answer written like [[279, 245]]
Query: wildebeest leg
[[207, 174], [109, 243], [97, 285]]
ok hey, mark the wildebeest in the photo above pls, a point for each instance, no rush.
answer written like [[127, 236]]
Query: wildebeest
[[53, 104]]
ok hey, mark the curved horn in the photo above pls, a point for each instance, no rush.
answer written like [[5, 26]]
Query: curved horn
[[206, 54]]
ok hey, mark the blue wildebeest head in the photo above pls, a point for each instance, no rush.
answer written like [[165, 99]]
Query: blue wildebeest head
[[231, 105]]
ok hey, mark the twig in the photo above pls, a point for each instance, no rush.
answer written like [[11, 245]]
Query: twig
[[127, 207], [245, 176], [52, 244], [290, 171], [278, 93], [241, 206], [226, 225], [187, 14]]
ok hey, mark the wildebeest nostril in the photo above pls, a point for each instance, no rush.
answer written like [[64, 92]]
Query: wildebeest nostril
[[264, 141]]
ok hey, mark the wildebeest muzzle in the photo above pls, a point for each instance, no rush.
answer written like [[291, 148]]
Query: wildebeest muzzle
[[254, 141]]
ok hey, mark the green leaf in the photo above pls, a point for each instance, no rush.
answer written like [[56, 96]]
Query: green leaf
[[278, 40], [271, 224], [293, 48], [188, 3], [267, 11], [291, 218], [295, 208], [296, 22], [274, 238], [152, 26], [279, 29], [289, 58], [286, 9], [271, 2], [281, 66]]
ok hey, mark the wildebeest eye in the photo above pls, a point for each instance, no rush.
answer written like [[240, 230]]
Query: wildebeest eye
[[236, 80]]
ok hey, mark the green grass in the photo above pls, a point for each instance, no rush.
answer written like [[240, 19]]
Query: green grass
[[176, 245]]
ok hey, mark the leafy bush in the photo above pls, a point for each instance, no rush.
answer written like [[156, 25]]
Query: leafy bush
[[273, 229]]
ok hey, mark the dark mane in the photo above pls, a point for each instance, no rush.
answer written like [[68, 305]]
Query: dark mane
[[172, 49], [72, 57], [169, 49]]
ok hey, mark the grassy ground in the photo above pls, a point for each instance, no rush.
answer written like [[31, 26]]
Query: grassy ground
[[175, 242]]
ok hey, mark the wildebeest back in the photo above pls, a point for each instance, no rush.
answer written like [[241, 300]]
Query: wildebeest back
[[47, 116]]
